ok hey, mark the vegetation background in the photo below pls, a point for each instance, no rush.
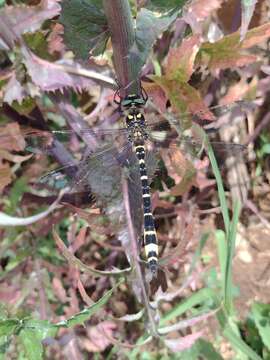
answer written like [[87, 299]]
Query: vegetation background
[[71, 282]]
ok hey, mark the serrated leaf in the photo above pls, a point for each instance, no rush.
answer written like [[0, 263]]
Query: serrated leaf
[[184, 99], [147, 23], [17, 20], [179, 68], [229, 51], [52, 76], [84, 315], [261, 315], [85, 27]]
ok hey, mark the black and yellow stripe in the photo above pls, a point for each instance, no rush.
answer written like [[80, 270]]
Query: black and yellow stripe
[[150, 236], [137, 133]]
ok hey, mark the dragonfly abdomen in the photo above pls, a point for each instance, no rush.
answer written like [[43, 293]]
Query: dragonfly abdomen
[[150, 236]]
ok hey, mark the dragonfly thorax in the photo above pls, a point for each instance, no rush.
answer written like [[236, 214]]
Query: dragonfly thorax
[[136, 126]]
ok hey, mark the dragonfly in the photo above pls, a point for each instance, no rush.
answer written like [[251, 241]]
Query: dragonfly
[[107, 153]]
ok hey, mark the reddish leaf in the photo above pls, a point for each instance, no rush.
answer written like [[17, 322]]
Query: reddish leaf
[[256, 36], [228, 52], [5, 176], [181, 60], [183, 343], [181, 170], [199, 10], [52, 76], [21, 18], [80, 239], [9, 294], [238, 91], [179, 68], [11, 138], [99, 336], [202, 180], [55, 39], [14, 91], [184, 99], [156, 94], [59, 290]]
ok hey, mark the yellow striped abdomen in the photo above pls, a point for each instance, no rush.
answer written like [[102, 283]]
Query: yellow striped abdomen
[[150, 236]]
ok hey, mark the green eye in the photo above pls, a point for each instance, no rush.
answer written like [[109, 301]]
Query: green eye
[[126, 102], [139, 101]]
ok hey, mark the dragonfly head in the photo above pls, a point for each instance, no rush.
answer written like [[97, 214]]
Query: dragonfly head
[[132, 101]]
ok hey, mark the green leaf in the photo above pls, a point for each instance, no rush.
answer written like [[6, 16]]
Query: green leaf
[[85, 27], [42, 328], [148, 28], [197, 298], [8, 326], [82, 316], [207, 350], [222, 256], [32, 334], [201, 350], [221, 192], [239, 345], [18, 189], [32, 344], [230, 252], [165, 5], [230, 52], [265, 149], [261, 315]]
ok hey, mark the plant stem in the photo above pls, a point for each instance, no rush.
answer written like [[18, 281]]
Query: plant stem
[[121, 27]]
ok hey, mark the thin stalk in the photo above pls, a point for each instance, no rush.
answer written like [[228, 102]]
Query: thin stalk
[[135, 260], [121, 26]]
